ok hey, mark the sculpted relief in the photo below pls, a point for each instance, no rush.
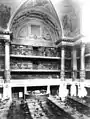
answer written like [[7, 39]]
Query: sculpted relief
[[70, 25], [46, 34], [5, 13]]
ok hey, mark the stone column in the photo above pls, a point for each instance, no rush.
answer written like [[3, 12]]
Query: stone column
[[62, 63], [82, 70], [7, 62], [74, 63], [7, 86]]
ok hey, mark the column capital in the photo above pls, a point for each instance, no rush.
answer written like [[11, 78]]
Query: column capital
[[7, 39]]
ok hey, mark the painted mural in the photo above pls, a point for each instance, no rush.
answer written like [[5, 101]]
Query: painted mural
[[66, 11], [5, 13]]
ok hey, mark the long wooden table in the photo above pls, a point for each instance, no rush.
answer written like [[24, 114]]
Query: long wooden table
[[72, 113]]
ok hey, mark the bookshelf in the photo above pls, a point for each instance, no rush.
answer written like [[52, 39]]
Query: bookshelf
[[34, 62]]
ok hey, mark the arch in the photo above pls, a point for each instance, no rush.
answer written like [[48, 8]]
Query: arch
[[41, 9]]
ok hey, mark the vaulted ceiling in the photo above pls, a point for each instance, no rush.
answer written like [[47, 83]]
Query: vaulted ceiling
[[64, 12]]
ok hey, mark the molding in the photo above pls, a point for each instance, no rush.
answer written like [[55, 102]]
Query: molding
[[5, 36], [36, 14], [72, 40], [65, 43]]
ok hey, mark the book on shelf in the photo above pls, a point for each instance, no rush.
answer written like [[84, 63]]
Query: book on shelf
[[22, 64], [35, 76], [21, 50], [36, 51]]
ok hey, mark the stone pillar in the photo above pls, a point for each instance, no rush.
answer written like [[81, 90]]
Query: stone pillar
[[62, 63], [82, 70], [7, 86], [74, 63], [7, 62]]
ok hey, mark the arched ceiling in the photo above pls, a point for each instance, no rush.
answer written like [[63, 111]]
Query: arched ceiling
[[65, 9], [39, 6]]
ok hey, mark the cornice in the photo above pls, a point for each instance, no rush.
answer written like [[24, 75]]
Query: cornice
[[68, 41]]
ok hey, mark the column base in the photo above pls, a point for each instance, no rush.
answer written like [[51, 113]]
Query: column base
[[7, 91], [62, 76], [82, 75]]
